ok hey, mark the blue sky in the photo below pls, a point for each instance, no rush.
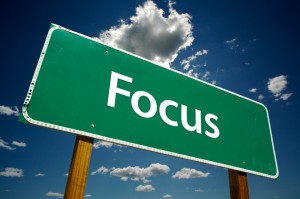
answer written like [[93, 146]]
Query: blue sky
[[249, 48]]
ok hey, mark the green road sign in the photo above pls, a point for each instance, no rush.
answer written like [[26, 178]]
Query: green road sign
[[85, 87]]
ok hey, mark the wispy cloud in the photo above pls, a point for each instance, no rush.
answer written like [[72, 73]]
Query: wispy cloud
[[5, 110], [5, 145], [232, 44], [167, 196], [88, 196], [199, 190], [145, 188], [205, 76], [252, 90], [186, 63], [99, 144], [140, 174], [214, 82], [277, 85], [285, 96], [12, 172], [261, 97], [187, 173], [54, 194], [101, 170], [39, 175], [152, 34], [19, 144], [192, 73]]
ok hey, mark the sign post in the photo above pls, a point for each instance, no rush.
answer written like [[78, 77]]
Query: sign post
[[238, 185], [79, 168]]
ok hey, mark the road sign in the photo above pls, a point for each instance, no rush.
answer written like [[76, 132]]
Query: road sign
[[87, 88]]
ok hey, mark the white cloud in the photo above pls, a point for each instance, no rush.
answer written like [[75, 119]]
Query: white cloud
[[99, 144], [186, 173], [145, 188], [192, 73], [214, 82], [39, 174], [206, 75], [187, 62], [199, 190], [261, 97], [54, 194], [252, 90], [5, 110], [5, 145], [152, 35], [167, 196], [101, 170], [231, 41], [19, 144], [12, 172], [232, 44], [286, 96], [88, 196], [137, 173], [277, 84]]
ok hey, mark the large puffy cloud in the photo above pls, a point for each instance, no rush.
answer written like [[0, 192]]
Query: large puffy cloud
[[12, 172], [5, 110], [186, 173], [137, 173], [151, 35]]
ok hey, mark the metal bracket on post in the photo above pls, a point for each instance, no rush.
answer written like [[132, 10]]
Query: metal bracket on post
[[238, 185], [79, 168]]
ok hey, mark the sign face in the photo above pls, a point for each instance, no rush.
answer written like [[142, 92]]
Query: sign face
[[85, 87]]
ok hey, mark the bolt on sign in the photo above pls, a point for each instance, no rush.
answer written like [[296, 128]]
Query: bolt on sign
[[85, 87]]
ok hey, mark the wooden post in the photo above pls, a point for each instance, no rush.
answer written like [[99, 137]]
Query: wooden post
[[79, 168], [238, 185]]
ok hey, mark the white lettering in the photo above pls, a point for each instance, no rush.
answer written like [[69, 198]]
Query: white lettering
[[113, 88], [135, 104], [216, 132], [184, 120], [162, 111]]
